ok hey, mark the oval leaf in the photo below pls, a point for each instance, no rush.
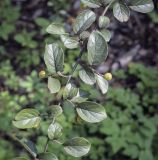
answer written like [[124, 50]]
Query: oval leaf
[[29, 146], [53, 85], [56, 110], [142, 6], [97, 48], [121, 12], [47, 156], [91, 112], [27, 118], [70, 91], [54, 58], [69, 42], [77, 147], [84, 21], [55, 28], [103, 21], [87, 76], [84, 35], [91, 3], [80, 97], [54, 131], [102, 83], [106, 34], [26, 113]]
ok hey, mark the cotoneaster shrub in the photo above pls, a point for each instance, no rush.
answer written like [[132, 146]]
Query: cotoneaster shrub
[[90, 35]]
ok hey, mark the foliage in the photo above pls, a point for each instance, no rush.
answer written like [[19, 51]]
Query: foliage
[[9, 16], [96, 46], [131, 126], [154, 16], [132, 116], [120, 136]]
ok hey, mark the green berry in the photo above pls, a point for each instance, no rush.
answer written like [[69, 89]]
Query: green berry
[[42, 74], [108, 76]]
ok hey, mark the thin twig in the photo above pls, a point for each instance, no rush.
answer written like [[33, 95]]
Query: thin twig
[[106, 8], [76, 64]]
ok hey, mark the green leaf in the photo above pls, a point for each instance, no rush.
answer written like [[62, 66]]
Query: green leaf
[[97, 48], [142, 6], [20, 158], [84, 35], [117, 143], [91, 112], [54, 131], [87, 76], [121, 12], [56, 110], [55, 28], [29, 146], [77, 147], [69, 42], [80, 97], [102, 83], [26, 113], [91, 3], [105, 2], [106, 34], [54, 58], [47, 156], [53, 85], [42, 22], [68, 104], [27, 118], [70, 91], [104, 21], [146, 155], [84, 21], [132, 151]]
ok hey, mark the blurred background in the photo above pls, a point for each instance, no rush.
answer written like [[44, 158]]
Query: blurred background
[[131, 130]]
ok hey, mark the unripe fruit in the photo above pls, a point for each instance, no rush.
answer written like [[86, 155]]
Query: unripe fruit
[[42, 74], [104, 21], [108, 76]]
